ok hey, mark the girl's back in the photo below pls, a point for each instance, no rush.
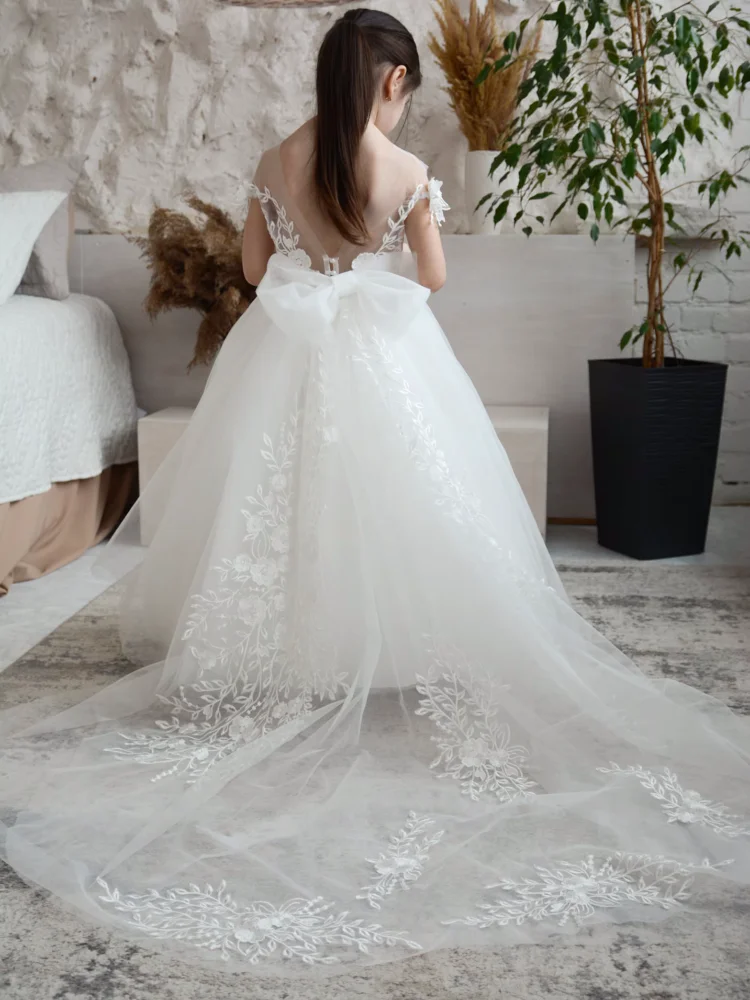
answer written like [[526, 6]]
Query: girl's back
[[393, 182], [338, 188]]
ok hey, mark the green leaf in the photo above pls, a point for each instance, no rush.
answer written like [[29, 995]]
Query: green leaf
[[629, 164], [485, 72], [513, 154], [497, 163], [500, 212], [528, 230], [609, 212], [625, 339], [583, 211], [594, 232]]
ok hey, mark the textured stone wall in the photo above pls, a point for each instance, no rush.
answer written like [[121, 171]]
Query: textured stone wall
[[165, 95]]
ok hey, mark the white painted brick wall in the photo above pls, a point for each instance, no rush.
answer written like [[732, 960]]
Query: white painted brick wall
[[714, 325]]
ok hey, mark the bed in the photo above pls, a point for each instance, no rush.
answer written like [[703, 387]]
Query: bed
[[67, 431]]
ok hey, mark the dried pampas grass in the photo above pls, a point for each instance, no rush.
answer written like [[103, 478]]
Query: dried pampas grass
[[197, 266], [467, 45]]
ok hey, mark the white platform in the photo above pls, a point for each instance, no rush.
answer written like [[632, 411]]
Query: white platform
[[158, 433], [523, 431]]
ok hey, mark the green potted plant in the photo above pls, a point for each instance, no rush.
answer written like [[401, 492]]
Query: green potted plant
[[627, 88]]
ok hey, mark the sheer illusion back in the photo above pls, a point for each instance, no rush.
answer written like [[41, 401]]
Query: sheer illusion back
[[295, 222]]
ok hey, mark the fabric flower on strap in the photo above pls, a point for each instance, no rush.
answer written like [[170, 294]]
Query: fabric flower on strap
[[438, 205]]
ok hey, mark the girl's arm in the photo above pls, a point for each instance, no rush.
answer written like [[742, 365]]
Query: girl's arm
[[257, 245], [423, 236]]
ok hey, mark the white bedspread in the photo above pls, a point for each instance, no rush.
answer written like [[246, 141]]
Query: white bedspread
[[67, 409]]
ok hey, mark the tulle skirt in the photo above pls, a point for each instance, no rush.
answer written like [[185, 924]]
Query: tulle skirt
[[368, 722]]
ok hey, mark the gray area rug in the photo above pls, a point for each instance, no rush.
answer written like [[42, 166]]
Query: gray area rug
[[690, 623]]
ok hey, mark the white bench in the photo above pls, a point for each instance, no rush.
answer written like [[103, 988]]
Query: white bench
[[523, 431]]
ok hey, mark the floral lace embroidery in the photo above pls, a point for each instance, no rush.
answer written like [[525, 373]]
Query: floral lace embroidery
[[460, 504], [438, 205], [286, 239], [394, 235], [575, 891], [248, 683], [280, 228], [683, 805], [404, 860], [210, 918], [475, 747]]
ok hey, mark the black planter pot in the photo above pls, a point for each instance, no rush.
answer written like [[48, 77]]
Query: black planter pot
[[655, 435]]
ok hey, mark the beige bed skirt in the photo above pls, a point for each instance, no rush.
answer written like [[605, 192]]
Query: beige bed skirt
[[43, 532]]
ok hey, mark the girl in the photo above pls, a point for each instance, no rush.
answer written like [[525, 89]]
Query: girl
[[369, 722]]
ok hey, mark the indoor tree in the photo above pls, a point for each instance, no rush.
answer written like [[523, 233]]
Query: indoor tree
[[626, 89]]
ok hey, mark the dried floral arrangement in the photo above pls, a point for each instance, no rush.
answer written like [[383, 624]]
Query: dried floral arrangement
[[484, 110], [197, 265]]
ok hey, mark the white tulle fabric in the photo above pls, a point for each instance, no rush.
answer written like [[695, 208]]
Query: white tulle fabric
[[370, 723]]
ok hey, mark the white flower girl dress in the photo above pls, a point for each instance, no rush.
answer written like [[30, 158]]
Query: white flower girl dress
[[368, 721]]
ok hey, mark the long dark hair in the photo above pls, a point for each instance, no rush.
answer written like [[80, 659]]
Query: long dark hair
[[353, 55]]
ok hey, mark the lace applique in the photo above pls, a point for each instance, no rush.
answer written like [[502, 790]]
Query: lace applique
[[249, 683], [280, 228], [438, 205], [451, 495], [286, 239], [575, 891], [394, 235], [475, 747], [461, 505], [683, 805], [210, 918], [404, 860]]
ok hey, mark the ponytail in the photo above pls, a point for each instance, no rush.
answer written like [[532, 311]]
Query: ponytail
[[346, 95], [356, 47]]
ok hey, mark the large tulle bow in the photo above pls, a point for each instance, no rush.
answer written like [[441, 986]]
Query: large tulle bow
[[308, 305]]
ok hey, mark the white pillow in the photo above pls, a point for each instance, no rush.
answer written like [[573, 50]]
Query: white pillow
[[23, 215]]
